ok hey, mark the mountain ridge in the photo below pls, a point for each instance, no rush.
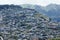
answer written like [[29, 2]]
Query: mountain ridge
[[51, 10]]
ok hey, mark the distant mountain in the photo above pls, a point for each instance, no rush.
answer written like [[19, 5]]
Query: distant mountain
[[51, 10], [27, 21], [36, 7]]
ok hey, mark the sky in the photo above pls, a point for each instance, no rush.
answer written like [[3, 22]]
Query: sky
[[34, 2]]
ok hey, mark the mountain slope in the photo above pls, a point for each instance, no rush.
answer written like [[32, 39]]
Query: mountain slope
[[17, 22], [51, 10]]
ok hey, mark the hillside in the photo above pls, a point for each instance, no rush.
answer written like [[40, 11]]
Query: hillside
[[51, 10], [17, 22]]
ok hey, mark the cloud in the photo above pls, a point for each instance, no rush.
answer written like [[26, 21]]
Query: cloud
[[38, 2]]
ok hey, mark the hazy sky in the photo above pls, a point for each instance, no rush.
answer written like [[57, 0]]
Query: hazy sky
[[38, 2]]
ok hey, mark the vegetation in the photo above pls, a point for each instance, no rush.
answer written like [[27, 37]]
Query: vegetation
[[24, 23]]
